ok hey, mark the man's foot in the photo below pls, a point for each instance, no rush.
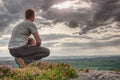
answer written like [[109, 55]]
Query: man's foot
[[20, 62]]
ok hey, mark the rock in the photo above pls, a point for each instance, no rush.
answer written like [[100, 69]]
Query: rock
[[98, 75]]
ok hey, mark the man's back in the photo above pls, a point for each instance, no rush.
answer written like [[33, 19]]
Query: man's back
[[21, 33]]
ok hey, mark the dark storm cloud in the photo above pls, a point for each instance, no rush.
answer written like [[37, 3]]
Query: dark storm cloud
[[5, 20], [73, 18], [13, 10], [10, 12], [103, 11], [100, 11], [108, 9]]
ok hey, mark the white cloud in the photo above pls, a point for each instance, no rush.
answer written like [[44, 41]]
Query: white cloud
[[73, 4], [4, 51], [59, 29], [77, 51]]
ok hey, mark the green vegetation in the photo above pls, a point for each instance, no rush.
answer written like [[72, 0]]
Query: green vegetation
[[38, 71], [98, 63], [85, 70], [116, 70]]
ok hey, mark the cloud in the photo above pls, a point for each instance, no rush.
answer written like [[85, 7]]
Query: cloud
[[13, 10], [74, 16], [86, 14], [108, 9], [104, 12], [89, 45]]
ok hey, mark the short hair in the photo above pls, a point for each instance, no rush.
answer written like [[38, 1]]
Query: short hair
[[29, 13]]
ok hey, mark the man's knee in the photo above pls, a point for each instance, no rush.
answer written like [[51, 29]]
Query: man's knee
[[47, 52]]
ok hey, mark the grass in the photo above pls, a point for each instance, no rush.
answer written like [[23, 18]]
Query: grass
[[85, 70], [116, 70], [38, 71]]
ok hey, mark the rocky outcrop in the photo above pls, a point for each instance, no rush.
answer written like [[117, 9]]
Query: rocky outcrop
[[98, 75]]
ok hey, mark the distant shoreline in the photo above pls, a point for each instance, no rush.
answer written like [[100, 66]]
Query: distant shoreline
[[65, 57], [94, 63]]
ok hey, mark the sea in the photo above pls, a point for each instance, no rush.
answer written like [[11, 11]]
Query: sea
[[78, 62]]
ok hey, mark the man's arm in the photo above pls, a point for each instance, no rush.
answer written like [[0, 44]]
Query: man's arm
[[37, 38]]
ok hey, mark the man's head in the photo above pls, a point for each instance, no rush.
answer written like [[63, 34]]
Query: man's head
[[30, 14]]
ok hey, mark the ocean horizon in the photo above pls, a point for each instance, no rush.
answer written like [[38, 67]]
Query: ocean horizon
[[78, 62], [6, 58]]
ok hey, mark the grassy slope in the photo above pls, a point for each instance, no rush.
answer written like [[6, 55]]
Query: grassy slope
[[38, 71]]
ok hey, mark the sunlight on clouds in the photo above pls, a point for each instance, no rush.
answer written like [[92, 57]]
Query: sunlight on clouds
[[70, 40], [82, 40], [4, 51], [63, 5], [59, 29], [77, 51], [63, 51], [109, 40], [6, 36], [3, 47], [83, 4], [103, 51], [57, 44], [73, 4]]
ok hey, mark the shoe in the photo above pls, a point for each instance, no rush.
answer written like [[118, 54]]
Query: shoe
[[20, 62]]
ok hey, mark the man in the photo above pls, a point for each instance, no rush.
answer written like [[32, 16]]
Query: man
[[18, 47]]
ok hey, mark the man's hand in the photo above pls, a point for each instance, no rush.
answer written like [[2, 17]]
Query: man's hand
[[37, 38], [31, 41]]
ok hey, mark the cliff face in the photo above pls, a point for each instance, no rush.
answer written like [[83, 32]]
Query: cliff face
[[98, 75]]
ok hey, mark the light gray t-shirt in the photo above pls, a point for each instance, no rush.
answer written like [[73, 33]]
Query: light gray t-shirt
[[20, 34]]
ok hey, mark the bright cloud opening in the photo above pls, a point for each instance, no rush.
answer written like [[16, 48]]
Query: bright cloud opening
[[73, 4], [64, 5]]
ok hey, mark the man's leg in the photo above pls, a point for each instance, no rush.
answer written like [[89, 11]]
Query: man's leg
[[30, 53], [34, 53], [20, 62]]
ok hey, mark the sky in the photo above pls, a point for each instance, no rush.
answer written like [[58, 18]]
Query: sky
[[67, 27]]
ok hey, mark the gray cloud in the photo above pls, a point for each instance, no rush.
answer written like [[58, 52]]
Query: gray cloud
[[72, 17], [51, 37], [110, 37], [3, 42], [93, 44], [103, 11], [108, 9], [13, 10], [98, 14], [109, 41], [85, 45]]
